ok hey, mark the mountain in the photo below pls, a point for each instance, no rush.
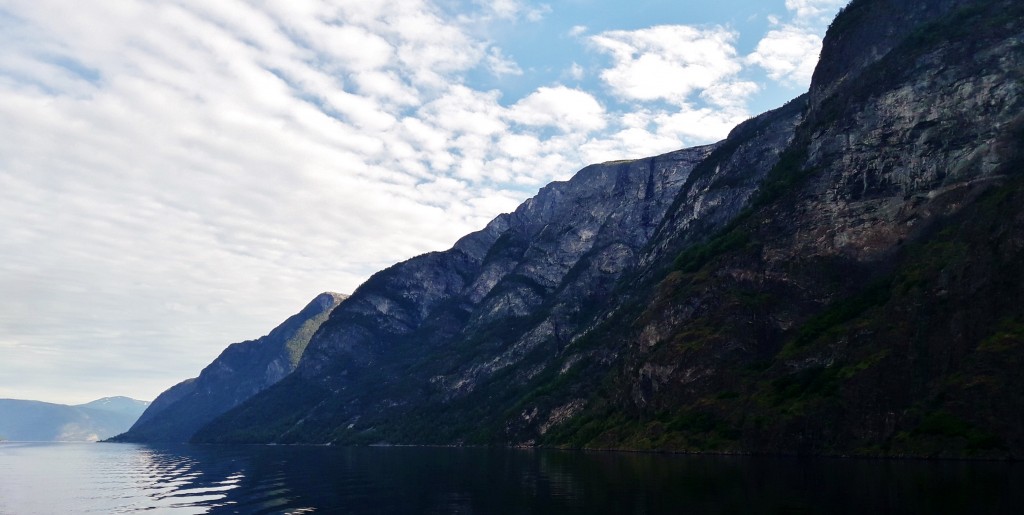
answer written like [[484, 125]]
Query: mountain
[[867, 302], [842, 275], [434, 331], [241, 371], [36, 421], [124, 405]]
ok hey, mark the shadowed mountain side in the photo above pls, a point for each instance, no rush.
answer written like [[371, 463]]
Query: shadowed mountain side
[[241, 371], [839, 276], [436, 349], [869, 301]]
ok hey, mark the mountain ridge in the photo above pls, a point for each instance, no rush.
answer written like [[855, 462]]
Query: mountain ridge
[[242, 370], [734, 365], [27, 420], [837, 276]]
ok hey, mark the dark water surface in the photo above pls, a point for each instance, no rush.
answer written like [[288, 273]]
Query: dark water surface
[[125, 478]]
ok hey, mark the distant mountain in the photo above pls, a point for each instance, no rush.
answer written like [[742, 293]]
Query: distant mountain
[[36, 421], [842, 275], [241, 371]]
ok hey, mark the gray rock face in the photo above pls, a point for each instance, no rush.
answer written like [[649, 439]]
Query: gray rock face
[[770, 293], [241, 371], [505, 305], [848, 310], [865, 32], [556, 248], [891, 157], [723, 184]]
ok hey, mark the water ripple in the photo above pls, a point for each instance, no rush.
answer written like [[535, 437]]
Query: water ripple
[[122, 478]]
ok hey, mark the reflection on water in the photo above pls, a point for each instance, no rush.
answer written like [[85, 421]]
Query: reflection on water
[[94, 478], [125, 478]]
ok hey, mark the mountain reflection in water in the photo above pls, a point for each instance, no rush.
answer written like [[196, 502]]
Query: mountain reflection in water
[[125, 478]]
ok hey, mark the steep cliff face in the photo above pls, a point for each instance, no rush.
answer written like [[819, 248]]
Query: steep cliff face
[[868, 302], [439, 348], [722, 185], [840, 275], [865, 31], [241, 371], [436, 349]]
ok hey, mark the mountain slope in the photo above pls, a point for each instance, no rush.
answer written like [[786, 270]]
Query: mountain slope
[[436, 349], [124, 405], [431, 331], [869, 303], [840, 275], [22, 420], [241, 371]]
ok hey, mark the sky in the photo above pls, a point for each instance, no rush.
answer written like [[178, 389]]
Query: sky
[[178, 175]]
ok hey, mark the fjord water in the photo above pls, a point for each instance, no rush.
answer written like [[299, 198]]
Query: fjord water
[[126, 478]]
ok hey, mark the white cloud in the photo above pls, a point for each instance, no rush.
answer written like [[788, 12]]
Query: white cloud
[[348, 47], [537, 13], [647, 132], [684, 86], [730, 95], [667, 62], [696, 124], [386, 86], [576, 72], [462, 110], [501, 65], [788, 54], [175, 176], [630, 142], [508, 9], [520, 145], [814, 10], [514, 9], [180, 176], [565, 108]]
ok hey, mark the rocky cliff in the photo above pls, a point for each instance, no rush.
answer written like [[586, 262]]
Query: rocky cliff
[[841, 275], [241, 371], [867, 302], [473, 325]]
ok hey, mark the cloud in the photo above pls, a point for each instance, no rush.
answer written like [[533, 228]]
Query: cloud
[[814, 10], [667, 62], [788, 54], [520, 145], [177, 176], [501, 65], [647, 132], [184, 175], [730, 95], [513, 10], [462, 110], [576, 72], [697, 123], [564, 108], [683, 85], [386, 86]]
